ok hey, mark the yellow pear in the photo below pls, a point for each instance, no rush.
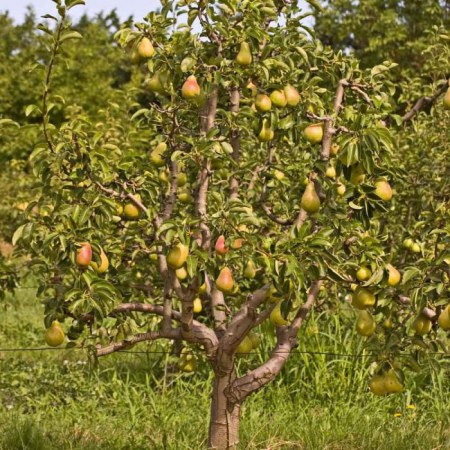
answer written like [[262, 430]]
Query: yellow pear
[[54, 335], [314, 133], [156, 155], [266, 134], [444, 319], [422, 325], [365, 325], [187, 362], [278, 174], [310, 200], [415, 248], [330, 172], [383, 190], [447, 99], [341, 189], [163, 176], [197, 305], [131, 211], [246, 346], [104, 263], [278, 98], [334, 149], [363, 273], [181, 179], [363, 298], [263, 103], [394, 276], [292, 95], [178, 255], [244, 57], [190, 88], [224, 281], [276, 317], [145, 48], [181, 273]]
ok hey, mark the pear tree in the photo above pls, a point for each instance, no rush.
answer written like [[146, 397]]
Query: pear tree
[[252, 184]]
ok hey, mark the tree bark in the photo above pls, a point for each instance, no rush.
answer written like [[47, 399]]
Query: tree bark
[[225, 416]]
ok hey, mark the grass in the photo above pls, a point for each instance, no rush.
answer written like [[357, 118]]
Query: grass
[[58, 400]]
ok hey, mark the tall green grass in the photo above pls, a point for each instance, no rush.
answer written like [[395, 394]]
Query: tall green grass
[[58, 400]]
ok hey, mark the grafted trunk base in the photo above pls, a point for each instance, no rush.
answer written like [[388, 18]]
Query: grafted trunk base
[[225, 417]]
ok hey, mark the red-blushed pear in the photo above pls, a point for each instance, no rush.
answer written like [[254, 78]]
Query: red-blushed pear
[[292, 95], [220, 246], [177, 255], [104, 263], [191, 88], [266, 133], [365, 325], [444, 319], [310, 200], [314, 133], [447, 99], [394, 275], [422, 325], [54, 335], [363, 298], [278, 98], [145, 48], [244, 57], [84, 255], [383, 190], [224, 281], [263, 103]]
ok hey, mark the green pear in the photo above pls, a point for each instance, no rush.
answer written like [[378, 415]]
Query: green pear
[[278, 98], [155, 84], [365, 325], [54, 335], [250, 270], [363, 298], [266, 134], [357, 175], [447, 99], [244, 57], [310, 200]]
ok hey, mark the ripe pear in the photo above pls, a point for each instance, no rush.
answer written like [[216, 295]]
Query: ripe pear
[[330, 172], [246, 346], [415, 248], [181, 179], [104, 263], [84, 255], [190, 88], [131, 211], [392, 383], [292, 95], [145, 48], [310, 200], [363, 298], [156, 155], [266, 134], [276, 317], [155, 84], [163, 176], [422, 325], [314, 133], [181, 273], [220, 247], [363, 273], [408, 243], [334, 149], [341, 189], [255, 338], [177, 255], [263, 103], [224, 281], [444, 319], [197, 304], [383, 190], [278, 174], [244, 57], [357, 176], [278, 98], [54, 335], [250, 270], [447, 99], [365, 325], [237, 243], [394, 276], [184, 196]]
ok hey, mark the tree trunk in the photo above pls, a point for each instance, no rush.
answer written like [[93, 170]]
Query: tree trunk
[[224, 421]]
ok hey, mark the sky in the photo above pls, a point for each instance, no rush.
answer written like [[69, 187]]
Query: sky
[[125, 8]]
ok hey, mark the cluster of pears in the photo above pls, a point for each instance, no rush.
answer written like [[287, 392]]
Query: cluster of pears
[[363, 298], [249, 343], [188, 361], [54, 335], [422, 324], [409, 244], [386, 382], [84, 258]]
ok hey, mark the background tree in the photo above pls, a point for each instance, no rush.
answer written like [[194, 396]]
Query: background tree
[[218, 195]]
